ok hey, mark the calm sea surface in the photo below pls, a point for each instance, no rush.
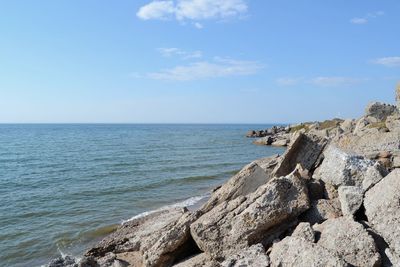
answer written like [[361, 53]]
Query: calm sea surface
[[62, 187]]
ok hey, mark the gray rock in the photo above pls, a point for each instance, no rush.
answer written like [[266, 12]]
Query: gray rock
[[393, 123], [244, 221], [253, 256], [351, 199], [281, 142], [380, 111], [348, 125], [321, 210], [304, 150], [398, 96], [264, 141], [304, 231], [382, 208], [294, 251], [246, 181], [349, 240], [66, 261], [340, 168], [200, 260]]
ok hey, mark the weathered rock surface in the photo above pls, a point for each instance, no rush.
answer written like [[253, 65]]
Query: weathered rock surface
[[382, 208], [244, 182], [321, 210], [340, 168], [349, 240], [245, 221], [379, 111], [253, 256], [200, 260], [351, 199], [304, 150], [295, 251], [304, 231]]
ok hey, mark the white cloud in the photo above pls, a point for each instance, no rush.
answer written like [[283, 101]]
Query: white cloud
[[182, 10], [170, 52], [365, 19], [205, 70], [334, 81], [198, 25], [359, 20], [388, 61]]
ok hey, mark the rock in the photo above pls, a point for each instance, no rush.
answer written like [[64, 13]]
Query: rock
[[380, 111], [281, 142], [66, 261], [264, 141], [398, 96], [349, 240], [253, 256], [200, 260], [351, 199], [246, 181], [382, 208], [348, 126], [340, 168], [304, 231], [393, 123], [315, 189], [88, 262], [247, 220], [304, 150], [250, 133], [322, 210], [396, 161], [174, 242], [294, 251], [130, 235], [362, 145]]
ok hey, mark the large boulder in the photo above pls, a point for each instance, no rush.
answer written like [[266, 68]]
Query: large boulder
[[295, 251], [200, 260], [393, 123], [349, 240], [382, 208], [253, 256], [303, 150], [244, 221], [379, 111], [246, 181], [340, 168]]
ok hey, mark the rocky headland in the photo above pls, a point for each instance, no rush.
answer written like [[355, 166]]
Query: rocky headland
[[332, 199]]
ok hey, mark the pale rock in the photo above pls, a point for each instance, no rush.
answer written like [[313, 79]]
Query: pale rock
[[321, 210], [253, 256], [247, 220], [295, 251], [382, 208], [393, 123], [351, 198], [200, 260], [304, 231], [349, 240]]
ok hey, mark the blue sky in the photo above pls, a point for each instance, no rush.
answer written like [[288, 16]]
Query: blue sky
[[198, 61]]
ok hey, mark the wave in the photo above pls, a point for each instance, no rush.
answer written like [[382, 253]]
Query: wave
[[190, 202]]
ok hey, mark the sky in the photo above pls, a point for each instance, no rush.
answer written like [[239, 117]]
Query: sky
[[195, 61]]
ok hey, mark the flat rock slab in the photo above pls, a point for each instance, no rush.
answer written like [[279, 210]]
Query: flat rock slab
[[253, 256], [382, 207], [244, 221]]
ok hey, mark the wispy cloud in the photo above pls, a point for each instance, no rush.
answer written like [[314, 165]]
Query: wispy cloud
[[387, 61], [320, 81], [365, 19], [173, 51], [193, 10], [219, 67]]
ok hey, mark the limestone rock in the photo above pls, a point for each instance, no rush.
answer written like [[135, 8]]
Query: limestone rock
[[245, 221], [294, 251], [244, 182], [398, 96], [348, 125], [340, 168], [200, 260], [253, 256], [382, 208], [304, 231], [304, 150], [351, 198], [349, 240], [280, 142], [393, 123], [380, 111], [264, 141], [322, 210]]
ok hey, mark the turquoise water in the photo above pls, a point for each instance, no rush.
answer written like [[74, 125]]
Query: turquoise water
[[62, 187]]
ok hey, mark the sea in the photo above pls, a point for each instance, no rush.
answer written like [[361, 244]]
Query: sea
[[63, 187]]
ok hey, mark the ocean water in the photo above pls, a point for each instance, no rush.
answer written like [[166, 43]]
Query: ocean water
[[63, 187]]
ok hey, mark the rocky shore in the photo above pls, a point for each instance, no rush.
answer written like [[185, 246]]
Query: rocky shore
[[332, 199]]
